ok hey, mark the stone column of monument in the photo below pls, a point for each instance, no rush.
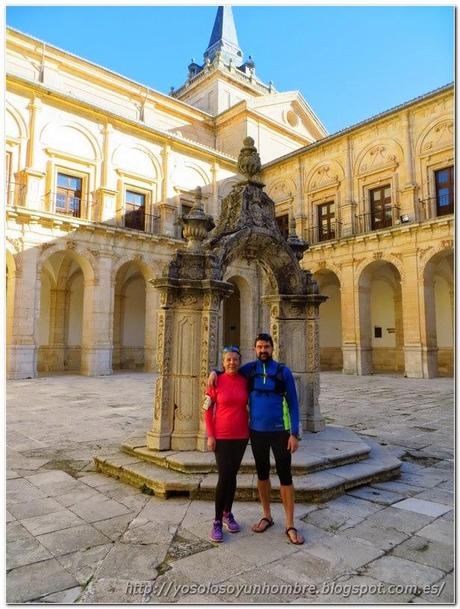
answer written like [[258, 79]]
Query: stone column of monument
[[187, 339], [288, 318], [314, 421]]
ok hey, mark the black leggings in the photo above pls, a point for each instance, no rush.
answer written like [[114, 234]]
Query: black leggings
[[229, 454], [261, 442]]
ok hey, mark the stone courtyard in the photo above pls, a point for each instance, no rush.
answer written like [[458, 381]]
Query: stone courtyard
[[76, 536]]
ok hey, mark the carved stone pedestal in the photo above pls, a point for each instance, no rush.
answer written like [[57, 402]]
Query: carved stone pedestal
[[186, 350]]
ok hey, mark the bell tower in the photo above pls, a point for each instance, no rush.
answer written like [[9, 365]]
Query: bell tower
[[224, 78]]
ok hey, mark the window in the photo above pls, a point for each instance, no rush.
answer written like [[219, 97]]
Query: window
[[326, 221], [283, 225], [134, 210], [381, 214], [68, 195], [444, 180]]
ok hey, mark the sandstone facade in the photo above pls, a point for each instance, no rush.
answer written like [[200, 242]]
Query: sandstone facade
[[101, 169]]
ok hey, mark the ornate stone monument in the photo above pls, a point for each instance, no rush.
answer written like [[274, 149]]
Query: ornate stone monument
[[192, 289]]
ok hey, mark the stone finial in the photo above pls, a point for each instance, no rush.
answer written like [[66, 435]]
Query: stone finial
[[295, 243], [249, 163], [197, 223]]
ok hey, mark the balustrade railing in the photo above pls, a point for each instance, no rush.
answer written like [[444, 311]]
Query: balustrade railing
[[139, 221], [433, 207], [320, 234], [373, 221], [15, 193]]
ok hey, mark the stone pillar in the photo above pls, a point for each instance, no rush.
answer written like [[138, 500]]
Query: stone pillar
[[159, 436], [214, 211], [348, 208], [186, 350], [22, 349], [96, 351], [420, 358], [362, 298], [409, 190], [314, 421], [348, 307], [31, 177], [57, 328], [168, 219], [299, 349], [104, 209], [151, 316], [208, 353]]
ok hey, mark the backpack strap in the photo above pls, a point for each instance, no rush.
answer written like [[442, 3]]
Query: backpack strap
[[251, 377], [277, 378]]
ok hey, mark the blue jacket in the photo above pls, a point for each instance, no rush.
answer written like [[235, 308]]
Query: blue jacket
[[266, 406]]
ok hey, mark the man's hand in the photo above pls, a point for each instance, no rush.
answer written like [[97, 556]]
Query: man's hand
[[293, 444], [211, 444], [212, 379]]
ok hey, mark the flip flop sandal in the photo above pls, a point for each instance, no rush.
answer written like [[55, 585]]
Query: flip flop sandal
[[269, 523], [296, 542]]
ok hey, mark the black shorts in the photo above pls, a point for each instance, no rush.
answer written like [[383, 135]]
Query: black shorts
[[261, 442]]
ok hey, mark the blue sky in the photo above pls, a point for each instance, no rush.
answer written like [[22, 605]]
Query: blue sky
[[349, 62]]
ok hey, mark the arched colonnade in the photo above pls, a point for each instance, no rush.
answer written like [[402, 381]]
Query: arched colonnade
[[363, 322]]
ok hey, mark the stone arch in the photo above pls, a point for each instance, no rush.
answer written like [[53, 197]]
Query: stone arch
[[327, 173], [63, 275], [282, 269], [379, 154], [122, 158], [330, 319], [240, 310], [282, 189], [84, 258], [438, 303], [189, 175], [134, 315], [436, 135], [327, 267], [381, 334], [387, 257], [144, 267], [52, 130], [18, 119], [226, 186]]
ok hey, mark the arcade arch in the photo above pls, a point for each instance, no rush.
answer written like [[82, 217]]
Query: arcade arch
[[330, 320], [60, 323], [129, 319], [439, 311], [380, 318]]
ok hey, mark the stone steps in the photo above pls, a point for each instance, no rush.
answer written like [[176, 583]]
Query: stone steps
[[327, 481], [317, 451]]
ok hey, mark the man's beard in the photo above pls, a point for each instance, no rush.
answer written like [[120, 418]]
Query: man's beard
[[264, 356]]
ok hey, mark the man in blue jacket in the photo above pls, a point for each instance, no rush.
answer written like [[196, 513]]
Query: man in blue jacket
[[271, 425]]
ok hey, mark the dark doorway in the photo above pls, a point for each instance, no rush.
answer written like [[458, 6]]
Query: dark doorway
[[232, 318]]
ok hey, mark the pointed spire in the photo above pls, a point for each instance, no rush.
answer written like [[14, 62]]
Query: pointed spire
[[224, 39]]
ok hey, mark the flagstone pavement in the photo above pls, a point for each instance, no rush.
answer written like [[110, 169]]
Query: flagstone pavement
[[76, 536]]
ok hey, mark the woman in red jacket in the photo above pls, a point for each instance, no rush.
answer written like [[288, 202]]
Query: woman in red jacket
[[227, 427]]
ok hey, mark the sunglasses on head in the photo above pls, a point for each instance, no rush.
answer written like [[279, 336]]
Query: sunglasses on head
[[231, 349]]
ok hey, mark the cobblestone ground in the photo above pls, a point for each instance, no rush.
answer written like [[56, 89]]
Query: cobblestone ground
[[75, 536]]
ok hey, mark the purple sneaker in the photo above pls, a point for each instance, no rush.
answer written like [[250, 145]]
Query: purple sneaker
[[216, 532], [230, 523]]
